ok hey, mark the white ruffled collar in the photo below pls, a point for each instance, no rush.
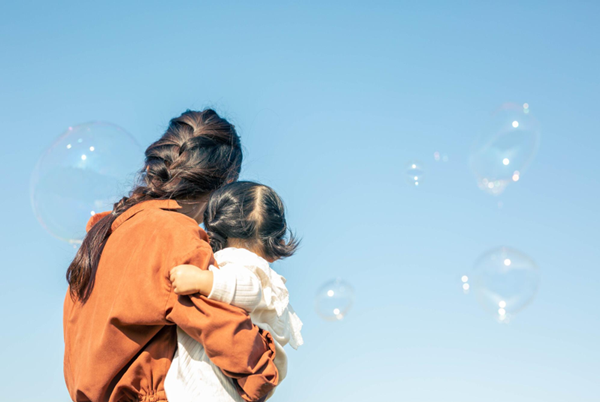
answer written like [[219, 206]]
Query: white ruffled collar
[[275, 293]]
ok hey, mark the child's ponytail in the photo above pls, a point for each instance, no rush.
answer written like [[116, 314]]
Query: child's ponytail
[[252, 214]]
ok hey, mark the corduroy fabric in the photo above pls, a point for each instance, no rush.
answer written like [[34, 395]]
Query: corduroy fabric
[[119, 344], [245, 280]]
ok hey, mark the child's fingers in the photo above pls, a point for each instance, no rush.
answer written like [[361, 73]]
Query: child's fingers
[[173, 274], [178, 290], [186, 292]]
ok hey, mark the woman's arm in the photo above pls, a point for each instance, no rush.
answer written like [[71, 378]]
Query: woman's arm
[[241, 350], [233, 284]]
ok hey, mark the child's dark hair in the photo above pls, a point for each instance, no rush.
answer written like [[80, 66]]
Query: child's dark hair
[[252, 213]]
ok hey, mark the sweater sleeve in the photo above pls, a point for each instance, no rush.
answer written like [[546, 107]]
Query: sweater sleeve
[[241, 350], [236, 285]]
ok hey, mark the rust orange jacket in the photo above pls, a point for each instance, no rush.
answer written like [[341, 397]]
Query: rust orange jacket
[[119, 344]]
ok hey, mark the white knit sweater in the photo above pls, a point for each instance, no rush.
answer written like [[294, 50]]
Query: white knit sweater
[[247, 281]]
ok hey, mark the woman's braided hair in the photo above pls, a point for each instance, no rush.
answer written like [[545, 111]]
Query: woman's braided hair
[[199, 152]]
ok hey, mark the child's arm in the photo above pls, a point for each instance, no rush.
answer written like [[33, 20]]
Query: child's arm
[[233, 285]]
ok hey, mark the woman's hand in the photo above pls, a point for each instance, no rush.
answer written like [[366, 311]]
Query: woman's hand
[[189, 279]]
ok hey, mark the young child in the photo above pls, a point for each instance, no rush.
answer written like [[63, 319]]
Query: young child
[[246, 225]]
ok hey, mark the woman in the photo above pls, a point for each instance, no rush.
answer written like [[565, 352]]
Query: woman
[[121, 312]]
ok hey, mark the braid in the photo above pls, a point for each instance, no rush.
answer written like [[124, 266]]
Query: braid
[[188, 161], [199, 152]]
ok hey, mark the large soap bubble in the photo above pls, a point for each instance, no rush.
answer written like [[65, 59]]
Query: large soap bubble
[[334, 299], [504, 281], [85, 171], [506, 148]]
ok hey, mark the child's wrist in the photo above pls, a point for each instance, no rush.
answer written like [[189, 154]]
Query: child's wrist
[[205, 283]]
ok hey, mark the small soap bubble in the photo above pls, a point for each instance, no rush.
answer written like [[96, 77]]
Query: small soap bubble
[[465, 284], [504, 281], [334, 299], [507, 145], [414, 173], [440, 157], [68, 184]]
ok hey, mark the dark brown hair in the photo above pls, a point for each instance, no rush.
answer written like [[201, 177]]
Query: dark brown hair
[[199, 153], [252, 213]]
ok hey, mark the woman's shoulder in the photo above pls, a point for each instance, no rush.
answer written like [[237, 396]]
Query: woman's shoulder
[[166, 234], [170, 224], [161, 231]]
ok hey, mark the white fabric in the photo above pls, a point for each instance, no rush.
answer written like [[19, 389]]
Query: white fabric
[[245, 280], [236, 285]]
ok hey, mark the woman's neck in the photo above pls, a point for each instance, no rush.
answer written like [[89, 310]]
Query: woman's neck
[[194, 209]]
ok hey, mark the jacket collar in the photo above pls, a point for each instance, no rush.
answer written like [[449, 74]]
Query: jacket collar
[[156, 204]]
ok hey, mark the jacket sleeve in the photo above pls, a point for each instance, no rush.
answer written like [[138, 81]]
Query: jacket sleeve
[[241, 350]]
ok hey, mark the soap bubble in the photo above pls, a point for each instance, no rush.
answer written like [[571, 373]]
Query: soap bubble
[[439, 157], [506, 148], [334, 299], [414, 173], [504, 281], [85, 171]]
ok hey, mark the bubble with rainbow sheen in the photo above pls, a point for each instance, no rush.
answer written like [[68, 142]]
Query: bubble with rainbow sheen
[[504, 281], [505, 148], [334, 299], [83, 172]]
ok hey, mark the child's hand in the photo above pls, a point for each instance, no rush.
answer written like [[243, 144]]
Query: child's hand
[[185, 279], [189, 279]]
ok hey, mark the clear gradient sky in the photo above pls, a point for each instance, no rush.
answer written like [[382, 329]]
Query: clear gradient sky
[[331, 99]]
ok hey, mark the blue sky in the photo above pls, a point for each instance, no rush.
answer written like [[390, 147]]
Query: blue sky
[[331, 100]]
